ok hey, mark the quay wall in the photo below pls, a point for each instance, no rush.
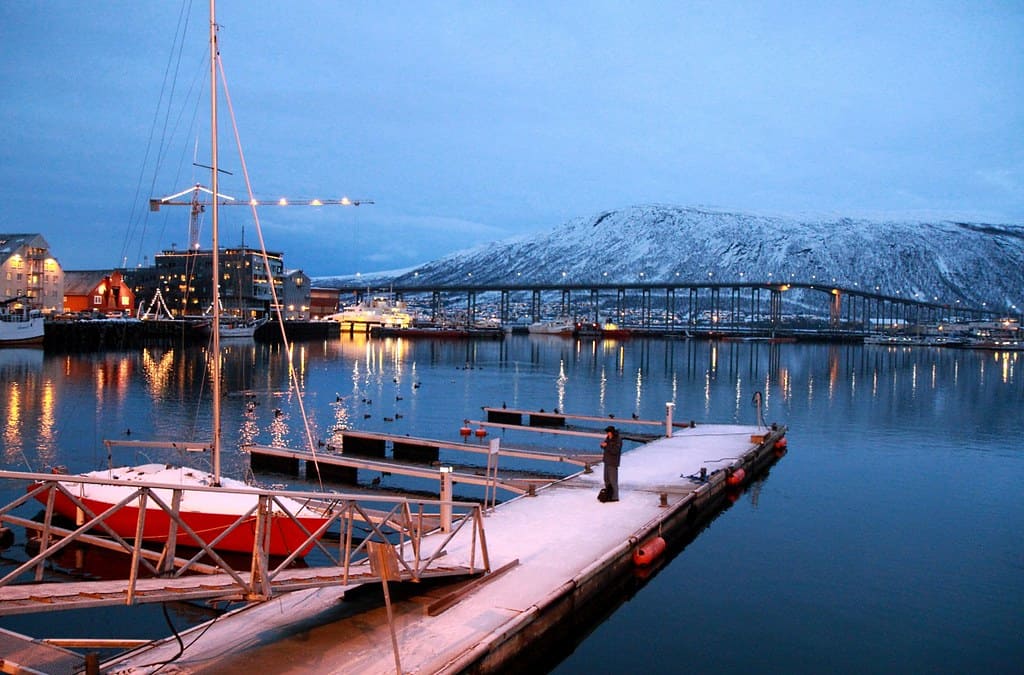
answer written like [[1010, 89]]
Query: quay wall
[[557, 623], [298, 330], [84, 336], [87, 336]]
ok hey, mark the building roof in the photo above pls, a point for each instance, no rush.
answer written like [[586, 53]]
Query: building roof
[[82, 282], [12, 243]]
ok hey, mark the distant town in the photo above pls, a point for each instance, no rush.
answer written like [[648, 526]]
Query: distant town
[[176, 287]]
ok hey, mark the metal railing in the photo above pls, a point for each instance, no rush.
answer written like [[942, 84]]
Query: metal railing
[[402, 524]]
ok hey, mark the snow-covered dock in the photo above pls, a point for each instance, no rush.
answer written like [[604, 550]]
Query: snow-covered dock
[[550, 553]]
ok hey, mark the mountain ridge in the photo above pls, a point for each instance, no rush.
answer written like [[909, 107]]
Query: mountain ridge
[[945, 261]]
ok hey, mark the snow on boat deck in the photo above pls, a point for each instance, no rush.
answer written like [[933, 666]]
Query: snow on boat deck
[[559, 537]]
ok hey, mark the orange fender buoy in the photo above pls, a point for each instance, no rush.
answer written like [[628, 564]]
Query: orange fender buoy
[[481, 432], [465, 432], [736, 477], [781, 444], [649, 551]]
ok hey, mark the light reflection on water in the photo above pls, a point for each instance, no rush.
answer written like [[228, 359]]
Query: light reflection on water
[[904, 466]]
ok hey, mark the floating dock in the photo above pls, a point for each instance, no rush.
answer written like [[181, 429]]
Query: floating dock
[[551, 554]]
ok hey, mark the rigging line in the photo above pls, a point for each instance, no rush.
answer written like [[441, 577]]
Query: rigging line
[[182, 163], [191, 95], [181, 31], [292, 375]]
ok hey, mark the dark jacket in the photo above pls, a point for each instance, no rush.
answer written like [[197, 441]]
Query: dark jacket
[[612, 449]]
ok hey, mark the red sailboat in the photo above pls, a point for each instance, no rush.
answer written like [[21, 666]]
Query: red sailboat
[[226, 517]]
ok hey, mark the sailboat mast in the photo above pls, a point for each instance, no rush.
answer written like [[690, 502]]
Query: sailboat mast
[[215, 268]]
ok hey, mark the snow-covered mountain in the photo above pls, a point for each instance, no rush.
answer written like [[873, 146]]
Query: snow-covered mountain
[[949, 261]]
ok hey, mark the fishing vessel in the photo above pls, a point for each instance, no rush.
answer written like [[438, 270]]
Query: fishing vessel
[[225, 520], [560, 326], [20, 325], [605, 329]]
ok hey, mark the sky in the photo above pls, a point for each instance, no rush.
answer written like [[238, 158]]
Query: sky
[[467, 123]]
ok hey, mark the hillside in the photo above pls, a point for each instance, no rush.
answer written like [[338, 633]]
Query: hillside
[[949, 261]]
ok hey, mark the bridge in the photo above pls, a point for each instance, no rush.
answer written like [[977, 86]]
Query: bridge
[[672, 306]]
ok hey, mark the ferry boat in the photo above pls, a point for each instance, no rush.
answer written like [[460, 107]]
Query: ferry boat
[[379, 312]]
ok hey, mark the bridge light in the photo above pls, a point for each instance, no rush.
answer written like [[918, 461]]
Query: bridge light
[[316, 202], [282, 202], [345, 201]]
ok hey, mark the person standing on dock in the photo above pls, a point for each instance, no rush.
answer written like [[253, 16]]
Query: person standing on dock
[[612, 447]]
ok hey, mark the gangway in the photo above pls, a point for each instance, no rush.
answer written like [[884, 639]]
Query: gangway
[[401, 525]]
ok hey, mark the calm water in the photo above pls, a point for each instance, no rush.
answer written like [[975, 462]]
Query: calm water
[[887, 539]]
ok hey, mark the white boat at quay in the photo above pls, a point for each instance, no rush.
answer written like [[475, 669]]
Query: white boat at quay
[[560, 326], [240, 329], [20, 325], [379, 312]]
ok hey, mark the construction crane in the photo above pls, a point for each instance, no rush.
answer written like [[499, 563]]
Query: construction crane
[[198, 206]]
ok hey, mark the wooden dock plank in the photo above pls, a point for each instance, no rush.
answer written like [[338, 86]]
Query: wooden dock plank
[[33, 598], [21, 654]]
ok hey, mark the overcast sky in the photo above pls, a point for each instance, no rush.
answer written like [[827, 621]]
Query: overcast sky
[[469, 122]]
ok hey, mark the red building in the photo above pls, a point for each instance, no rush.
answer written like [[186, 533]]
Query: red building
[[98, 291], [322, 302]]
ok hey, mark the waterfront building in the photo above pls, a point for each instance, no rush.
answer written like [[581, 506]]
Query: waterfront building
[[28, 270], [183, 279], [296, 297], [102, 291], [323, 302]]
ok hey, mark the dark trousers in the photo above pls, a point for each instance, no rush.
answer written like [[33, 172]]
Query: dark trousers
[[611, 481]]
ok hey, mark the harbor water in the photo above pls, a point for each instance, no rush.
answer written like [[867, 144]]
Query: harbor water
[[886, 540]]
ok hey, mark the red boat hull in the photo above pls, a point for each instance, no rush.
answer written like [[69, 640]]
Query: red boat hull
[[285, 534]]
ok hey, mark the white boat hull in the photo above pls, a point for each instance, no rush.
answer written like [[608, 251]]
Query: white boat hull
[[17, 331]]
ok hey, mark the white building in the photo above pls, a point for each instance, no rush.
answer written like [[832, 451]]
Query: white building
[[28, 270]]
